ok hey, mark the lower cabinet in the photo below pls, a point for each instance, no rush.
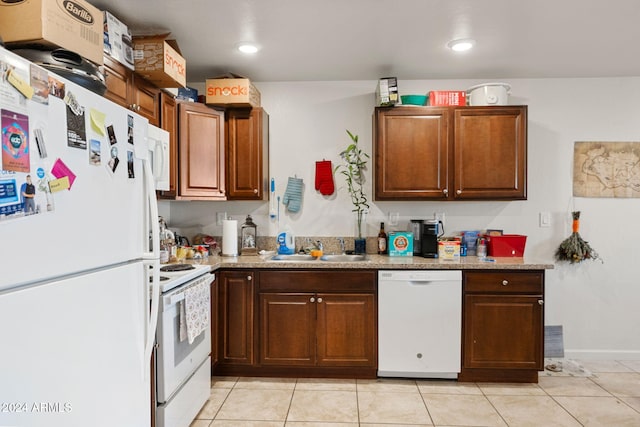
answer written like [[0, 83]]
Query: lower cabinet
[[317, 329], [235, 315], [297, 323], [503, 326]]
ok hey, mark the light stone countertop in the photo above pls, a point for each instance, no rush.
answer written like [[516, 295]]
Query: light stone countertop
[[381, 262]]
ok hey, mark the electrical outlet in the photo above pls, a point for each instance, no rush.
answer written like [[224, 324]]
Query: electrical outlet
[[440, 216], [545, 219], [220, 216], [393, 218]]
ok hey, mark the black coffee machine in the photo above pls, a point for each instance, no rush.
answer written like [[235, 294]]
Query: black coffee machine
[[431, 230]]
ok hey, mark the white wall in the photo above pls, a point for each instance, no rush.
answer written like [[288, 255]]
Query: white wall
[[597, 303]]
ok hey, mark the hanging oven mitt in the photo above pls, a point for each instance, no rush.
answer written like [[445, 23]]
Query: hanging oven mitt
[[324, 177], [293, 195]]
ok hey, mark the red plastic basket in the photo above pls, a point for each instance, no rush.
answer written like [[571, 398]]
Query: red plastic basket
[[507, 245]]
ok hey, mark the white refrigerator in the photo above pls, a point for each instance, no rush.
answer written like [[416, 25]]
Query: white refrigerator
[[78, 244]]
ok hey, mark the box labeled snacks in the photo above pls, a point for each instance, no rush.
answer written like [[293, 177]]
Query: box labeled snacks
[[442, 98], [231, 90]]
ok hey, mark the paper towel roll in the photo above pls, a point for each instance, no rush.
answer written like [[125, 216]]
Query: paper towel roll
[[229, 237]]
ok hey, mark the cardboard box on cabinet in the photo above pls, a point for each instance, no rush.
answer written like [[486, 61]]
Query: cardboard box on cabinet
[[231, 90], [117, 40], [444, 98], [159, 61], [74, 25]]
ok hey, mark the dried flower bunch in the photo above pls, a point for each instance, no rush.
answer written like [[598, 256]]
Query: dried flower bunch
[[574, 249]]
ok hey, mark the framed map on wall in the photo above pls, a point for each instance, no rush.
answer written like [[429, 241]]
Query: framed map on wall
[[606, 169]]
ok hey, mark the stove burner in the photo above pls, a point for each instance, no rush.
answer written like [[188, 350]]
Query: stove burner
[[177, 267]]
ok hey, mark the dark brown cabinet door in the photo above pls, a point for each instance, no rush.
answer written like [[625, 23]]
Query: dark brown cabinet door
[[346, 330], [503, 331], [247, 148], [129, 91], [118, 81], [490, 147], [169, 122], [236, 293], [146, 100], [287, 329], [503, 326], [201, 152], [411, 153]]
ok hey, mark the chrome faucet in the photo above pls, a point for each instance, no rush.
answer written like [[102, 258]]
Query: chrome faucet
[[342, 247]]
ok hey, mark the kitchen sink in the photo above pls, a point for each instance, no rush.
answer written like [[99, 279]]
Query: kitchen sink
[[293, 258], [325, 258], [344, 258]]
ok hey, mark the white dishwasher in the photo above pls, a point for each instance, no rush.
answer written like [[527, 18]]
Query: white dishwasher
[[419, 323]]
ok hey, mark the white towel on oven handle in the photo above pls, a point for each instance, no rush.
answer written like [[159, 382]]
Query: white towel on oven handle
[[194, 311]]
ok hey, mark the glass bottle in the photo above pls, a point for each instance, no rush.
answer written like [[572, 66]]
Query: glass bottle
[[382, 240]]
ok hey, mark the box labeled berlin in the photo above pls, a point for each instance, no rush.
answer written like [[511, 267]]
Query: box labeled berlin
[[73, 25]]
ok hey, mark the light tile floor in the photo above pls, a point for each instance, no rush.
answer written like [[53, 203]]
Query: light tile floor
[[607, 395]]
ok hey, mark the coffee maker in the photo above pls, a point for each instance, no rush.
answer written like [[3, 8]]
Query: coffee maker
[[431, 230], [415, 226]]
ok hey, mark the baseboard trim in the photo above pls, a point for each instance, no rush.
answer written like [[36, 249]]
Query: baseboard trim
[[602, 354]]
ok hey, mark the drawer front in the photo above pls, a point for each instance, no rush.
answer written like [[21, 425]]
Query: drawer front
[[530, 282], [317, 281]]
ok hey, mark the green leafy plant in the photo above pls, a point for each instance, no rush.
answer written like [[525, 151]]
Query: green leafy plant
[[353, 166]]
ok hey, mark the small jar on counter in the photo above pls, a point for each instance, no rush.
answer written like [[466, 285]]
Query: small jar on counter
[[481, 250]]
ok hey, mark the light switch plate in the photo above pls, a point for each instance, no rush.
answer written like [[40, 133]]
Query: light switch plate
[[545, 219]]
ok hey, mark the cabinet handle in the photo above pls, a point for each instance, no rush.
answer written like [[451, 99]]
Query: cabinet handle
[[133, 107], [249, 278], [255, 191], [505, 282], [458, 191], [445, 191], [319, 300], [312, 299], [541, 302]]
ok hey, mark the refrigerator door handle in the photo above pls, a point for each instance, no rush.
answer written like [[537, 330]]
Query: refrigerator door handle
[[152, 306], [153, 260], [153, 212]]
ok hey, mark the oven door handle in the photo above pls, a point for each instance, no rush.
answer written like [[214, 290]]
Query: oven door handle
[[176, 298]]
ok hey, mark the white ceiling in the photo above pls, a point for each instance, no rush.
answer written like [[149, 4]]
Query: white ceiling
[[368, 39]]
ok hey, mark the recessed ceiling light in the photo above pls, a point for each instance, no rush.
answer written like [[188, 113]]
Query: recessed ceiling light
[[460, 45], [247, 48]]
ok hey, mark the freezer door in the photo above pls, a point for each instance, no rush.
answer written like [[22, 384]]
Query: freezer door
[[103, 218], [73, 351]]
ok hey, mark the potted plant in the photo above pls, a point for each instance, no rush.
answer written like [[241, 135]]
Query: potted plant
[[354, 162]]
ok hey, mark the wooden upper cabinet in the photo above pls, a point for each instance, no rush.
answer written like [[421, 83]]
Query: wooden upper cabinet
[[411, 152], [490, 146], [118, 80], [247, 151], [130, 91], [146, 100], [201, 152], [169, 122], [451, 153]]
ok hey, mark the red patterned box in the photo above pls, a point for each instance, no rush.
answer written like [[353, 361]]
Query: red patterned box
[[443, 98]]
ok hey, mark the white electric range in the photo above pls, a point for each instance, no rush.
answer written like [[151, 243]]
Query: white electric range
[[183, 369]]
